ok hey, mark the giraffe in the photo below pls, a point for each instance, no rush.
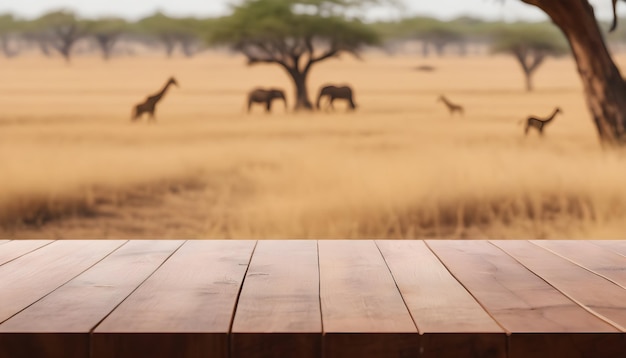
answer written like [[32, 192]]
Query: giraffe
[[149, 105], [451, 106], [540, 123]]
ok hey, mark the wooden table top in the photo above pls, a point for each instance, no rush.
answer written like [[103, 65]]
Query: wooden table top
[[312, 299]]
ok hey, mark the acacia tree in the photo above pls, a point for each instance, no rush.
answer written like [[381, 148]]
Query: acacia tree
[[62, 29], [604, 87], [294, 34], [161, 27], [186, 33], [9, 27], [530, 45], [106, 32]]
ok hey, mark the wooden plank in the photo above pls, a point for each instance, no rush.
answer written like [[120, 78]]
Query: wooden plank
[[18, 248], [29, 278], [601, 261], [59, 324], [616, 246], [363, 313], [540, 319], [183, 310], [448, 317], [278, 313], [602, 297]]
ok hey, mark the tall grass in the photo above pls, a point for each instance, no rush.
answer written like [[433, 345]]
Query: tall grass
[[73, 166]]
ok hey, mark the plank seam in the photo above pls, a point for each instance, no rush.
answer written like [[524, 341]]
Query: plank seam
[[91, 331], [26, 253], [607, 247], [319, 289], [580, 264], [406, 305], [65, 283], [506, 331], [232, 317], [580, 304]]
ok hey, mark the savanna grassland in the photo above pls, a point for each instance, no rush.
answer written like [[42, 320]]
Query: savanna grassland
[[73, 166]]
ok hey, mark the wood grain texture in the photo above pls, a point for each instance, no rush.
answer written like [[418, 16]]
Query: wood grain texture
[[278, 313], [604, 298], [29, 278], [518, 299], [448, 317], [436, 300], [18, 248], [359, 297], [78, 306], [188, 302], [538, 316], [601, 261], [616, 246]]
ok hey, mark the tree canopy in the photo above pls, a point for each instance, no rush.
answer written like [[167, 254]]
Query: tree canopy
[[530, 45], [107, 31], [61, 29], [9, 26], [187, 33], [290, 34]]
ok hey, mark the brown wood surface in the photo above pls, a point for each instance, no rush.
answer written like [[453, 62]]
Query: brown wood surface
[[188, 302], [362, 308], [617, 246], [29, 278], [75, 308], [602, 297], [523, 303], [17, 248], [278, 313], [447, 316], [601, 261], [311, 299], [518, 299]]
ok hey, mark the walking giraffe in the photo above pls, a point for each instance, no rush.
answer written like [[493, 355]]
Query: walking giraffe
[[540, 123], [149, 105], [451, 106]]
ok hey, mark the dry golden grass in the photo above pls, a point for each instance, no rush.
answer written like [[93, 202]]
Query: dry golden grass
[[73, 166]]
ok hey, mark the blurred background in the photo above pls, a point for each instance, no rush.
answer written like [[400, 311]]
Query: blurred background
[[143, 119]]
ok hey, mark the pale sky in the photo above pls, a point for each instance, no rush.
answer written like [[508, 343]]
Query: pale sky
[[510, 10]]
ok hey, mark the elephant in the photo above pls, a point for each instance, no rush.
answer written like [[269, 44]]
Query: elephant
[[260, 95], [334, 92]]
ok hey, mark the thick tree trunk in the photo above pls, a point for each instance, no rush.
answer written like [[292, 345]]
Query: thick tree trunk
[[603, 84], [302, 93]]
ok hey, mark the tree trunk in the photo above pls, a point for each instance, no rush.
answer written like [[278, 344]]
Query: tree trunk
[[106, 44], [529, 80], [302, 93], [603, 84], [5, 40], [425, 48]]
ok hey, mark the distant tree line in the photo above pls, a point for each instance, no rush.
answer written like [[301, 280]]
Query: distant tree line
[[59, 32]]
